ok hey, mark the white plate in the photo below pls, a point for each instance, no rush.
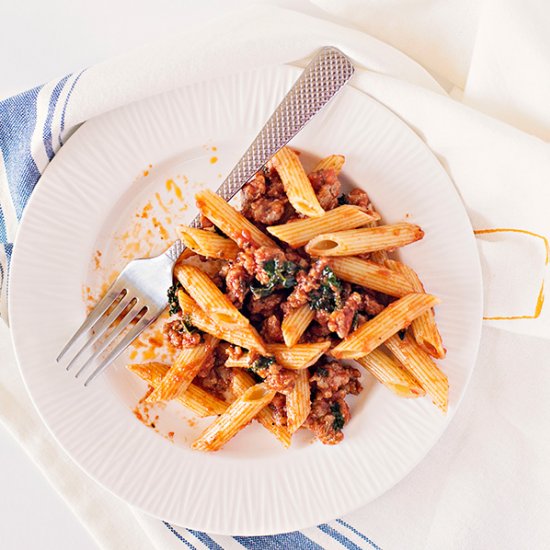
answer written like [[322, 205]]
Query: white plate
[[91, 198]]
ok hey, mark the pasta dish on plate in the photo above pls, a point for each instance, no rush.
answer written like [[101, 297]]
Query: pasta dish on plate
[[276, 305]]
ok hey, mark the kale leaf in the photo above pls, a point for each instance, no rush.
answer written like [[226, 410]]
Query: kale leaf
[[343, 199], [338, 422], [186, 326], [281, 275], [328, 296], [257, 378], [262, 363], [321, 371], [173, 298]]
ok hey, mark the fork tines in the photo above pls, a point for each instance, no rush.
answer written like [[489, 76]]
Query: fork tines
[[113, 314]]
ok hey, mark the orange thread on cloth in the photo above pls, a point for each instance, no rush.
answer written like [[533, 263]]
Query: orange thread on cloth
[[540, 298], [524, 231], [538, 309]]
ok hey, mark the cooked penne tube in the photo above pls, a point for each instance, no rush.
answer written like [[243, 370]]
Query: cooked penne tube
[[297, 357], [194, 398], [424, 328], [363, 241], [332, 162], [297, 186], [371, 275], [379, 256], [207, 243], [229, 221], [300, 232], [298, 402], [389, 372], [390, 320], [236, 417], [180, 375], [295, 323], [209, 297], [248, 339], [240, 382], [243, 362], [422, 367]]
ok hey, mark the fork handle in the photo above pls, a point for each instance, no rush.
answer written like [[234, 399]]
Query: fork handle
[[323, 77]]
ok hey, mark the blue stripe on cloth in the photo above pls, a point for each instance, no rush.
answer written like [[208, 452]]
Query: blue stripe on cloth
[[294, 540], [3, 230], [174, 532], [67, 102], [343, 540], [205, 539], [2, 270], [5, 269], [9, 249], [17, 122], [47, 131], [358, 533]]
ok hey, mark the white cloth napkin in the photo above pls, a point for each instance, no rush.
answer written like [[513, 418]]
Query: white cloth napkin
[[484, 485]]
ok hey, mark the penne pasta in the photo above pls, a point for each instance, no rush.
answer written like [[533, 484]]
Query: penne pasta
[[180, 375], [389, 372], [371, 275], [363, 241], [248, 339], [422, 367], [242, 381], [297, 186], [298, 233], [389, 321], [207, 243], [231, 222], [194, 398], [209, 297], [379, 256], [424, 328], [297, 357], [298, 402], [236, 417], [295, 323], [243, 362], [332, 162]]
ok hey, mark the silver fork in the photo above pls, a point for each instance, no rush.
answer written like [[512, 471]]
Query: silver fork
[[139, 293]]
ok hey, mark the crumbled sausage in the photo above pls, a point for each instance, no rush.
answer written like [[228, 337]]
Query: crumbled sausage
[[340, 320], [261, 202], [279, 378], [323, 420], [237, 282], [359, 198], [326, 185], [278, 406], [271, 330], [178, 336], [371, 305], [214, 376], [334, 378], [265, 307], [305, 283]]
